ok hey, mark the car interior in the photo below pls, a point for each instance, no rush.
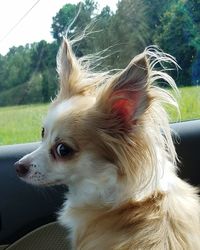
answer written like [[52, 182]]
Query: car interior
[[28, 213]]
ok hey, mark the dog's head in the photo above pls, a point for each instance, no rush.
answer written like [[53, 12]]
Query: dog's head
[[100, 131]]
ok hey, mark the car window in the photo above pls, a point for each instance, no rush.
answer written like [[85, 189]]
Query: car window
[[30, 35]]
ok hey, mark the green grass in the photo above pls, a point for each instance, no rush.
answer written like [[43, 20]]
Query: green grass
[[19, 124], [189, 104]]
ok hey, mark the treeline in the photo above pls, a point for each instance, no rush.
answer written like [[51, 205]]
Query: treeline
[[28, 73]]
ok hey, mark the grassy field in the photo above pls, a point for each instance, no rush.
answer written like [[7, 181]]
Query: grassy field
[[20, 124], [189, 105]]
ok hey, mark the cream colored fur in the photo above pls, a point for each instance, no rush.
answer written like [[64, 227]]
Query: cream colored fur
[[124, 192]]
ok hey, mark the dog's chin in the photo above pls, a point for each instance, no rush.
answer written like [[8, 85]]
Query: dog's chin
[[43, 183], [47, 184], [51, 183]]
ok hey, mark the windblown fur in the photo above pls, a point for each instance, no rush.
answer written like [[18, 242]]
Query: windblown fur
[[124, 192]]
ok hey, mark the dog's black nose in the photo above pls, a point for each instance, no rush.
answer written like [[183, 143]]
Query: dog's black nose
[[21, 169]]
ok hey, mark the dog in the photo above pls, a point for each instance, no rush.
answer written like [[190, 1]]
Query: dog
[[107, 137]]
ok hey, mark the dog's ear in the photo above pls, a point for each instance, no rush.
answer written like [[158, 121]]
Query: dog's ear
[[125, 98], [69, 72]]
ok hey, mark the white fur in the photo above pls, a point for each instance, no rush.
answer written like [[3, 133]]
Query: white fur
[[130, 167]]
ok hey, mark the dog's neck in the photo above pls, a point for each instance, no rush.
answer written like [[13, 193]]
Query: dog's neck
[[108, 191], [87, 201]]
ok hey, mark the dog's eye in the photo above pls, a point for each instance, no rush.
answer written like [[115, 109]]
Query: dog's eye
[[63, 150]]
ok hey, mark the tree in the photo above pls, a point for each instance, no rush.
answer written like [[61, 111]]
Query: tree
[[29, 70], [102, 37], [62, 21], [175, 35], [65, 21], [128, 32], [153, 11], [17, 68], [193, 7], [43, 58], [2, 70], [174, 25]]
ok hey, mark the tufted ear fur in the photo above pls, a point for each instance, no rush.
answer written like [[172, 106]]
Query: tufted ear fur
[[69, 72], [125, 97]]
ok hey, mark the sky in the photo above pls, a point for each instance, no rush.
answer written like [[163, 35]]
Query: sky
[[36, 25]]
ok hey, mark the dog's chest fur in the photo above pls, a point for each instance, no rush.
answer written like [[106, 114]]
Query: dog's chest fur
[[148, 224]]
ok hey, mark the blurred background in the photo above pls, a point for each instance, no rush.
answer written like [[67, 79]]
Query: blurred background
[[31, 32]]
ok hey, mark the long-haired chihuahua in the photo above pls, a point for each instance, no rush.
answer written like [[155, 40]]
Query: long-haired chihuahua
[[107, 137]]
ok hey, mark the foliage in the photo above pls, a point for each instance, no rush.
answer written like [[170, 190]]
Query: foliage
[[28, 73], [129, 31], [62, 21], [176, 35], [71, 20], [15, 67]]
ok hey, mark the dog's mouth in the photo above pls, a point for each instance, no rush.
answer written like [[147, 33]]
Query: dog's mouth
[[51, 183], [42, 183]]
